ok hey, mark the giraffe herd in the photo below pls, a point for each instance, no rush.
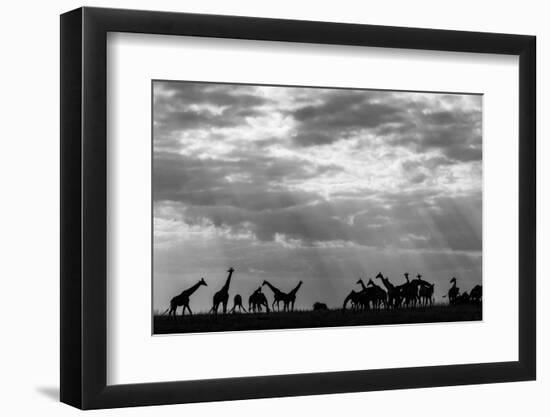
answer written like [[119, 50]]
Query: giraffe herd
[[455, 297], [412, 293], [288, 299], [256, 302]]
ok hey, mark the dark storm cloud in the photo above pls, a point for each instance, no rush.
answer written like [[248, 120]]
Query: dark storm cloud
[[315, 138], [185, 93], [455, 133], [185, 106], [339, 113], [258, 183]]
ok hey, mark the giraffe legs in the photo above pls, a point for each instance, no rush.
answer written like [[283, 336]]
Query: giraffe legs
[[241, 308]]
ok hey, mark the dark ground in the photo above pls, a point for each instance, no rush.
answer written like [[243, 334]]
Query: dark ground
[[199, 323]]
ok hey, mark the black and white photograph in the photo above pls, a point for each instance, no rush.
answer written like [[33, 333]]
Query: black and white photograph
[[314, 208], [278, 207]]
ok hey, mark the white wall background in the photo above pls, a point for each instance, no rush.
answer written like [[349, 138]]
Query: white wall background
[[29, 238]]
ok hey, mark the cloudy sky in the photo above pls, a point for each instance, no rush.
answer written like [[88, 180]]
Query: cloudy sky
[[313, 184]]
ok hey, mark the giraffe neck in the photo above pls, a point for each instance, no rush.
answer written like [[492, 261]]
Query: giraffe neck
[[192, 289], [225, 288], [275, 290], [387, 283], [295, 290], [383, 283]]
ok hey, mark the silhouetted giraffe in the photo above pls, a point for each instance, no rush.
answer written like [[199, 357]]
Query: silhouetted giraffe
[[426, 293], [290, 298], [380, 295], [183, 299], [393, 292], [278, 295], [420, 281], [453, 291], [408, 291], [237, 302], [256, 300], [367, 296], [222, 296], [354, 297]]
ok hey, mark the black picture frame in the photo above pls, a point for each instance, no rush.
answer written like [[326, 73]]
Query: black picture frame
[[84, 207]]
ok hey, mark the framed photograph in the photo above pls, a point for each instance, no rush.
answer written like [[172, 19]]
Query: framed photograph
[[245, 201]]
